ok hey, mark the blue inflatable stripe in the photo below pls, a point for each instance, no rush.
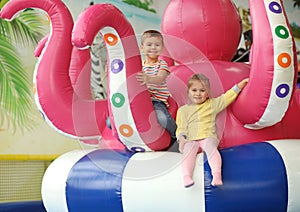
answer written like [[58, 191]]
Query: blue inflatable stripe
[[254, 179], [36, 206], [103, 192]]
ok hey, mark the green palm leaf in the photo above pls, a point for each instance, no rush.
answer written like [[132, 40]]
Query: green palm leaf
[[16, 107], [15, 95], [26, 30], [3, 2]]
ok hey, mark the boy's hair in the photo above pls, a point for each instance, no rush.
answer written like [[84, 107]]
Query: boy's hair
[[198, 77], [151, 33]]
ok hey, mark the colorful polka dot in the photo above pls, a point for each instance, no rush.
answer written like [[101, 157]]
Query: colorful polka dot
[[118, 100], [284, 60], [110, 39], [116, 66], [126, 130], [282, 32], [137, 149], [275, 7], [282, 90]]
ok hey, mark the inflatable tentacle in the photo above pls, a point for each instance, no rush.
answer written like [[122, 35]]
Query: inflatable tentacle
[[138, 129], [41, 45], [80, 73], [55, 95], [80, 69], [272, 67]]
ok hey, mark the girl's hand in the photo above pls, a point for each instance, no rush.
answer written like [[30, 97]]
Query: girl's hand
[[243, 83], [182, 142]]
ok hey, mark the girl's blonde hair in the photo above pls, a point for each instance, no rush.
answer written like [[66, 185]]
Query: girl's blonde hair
[[198, 77]]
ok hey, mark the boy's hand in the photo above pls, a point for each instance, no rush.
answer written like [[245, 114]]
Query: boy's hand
[[142, 77]]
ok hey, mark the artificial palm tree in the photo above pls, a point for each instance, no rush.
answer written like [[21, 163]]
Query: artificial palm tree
[[16, 107], [141, 4]]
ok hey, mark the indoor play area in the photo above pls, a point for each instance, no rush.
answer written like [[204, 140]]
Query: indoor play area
[[107, 150]]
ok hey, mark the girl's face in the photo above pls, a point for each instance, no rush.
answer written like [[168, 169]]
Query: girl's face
[[152, 47], [198, 92]]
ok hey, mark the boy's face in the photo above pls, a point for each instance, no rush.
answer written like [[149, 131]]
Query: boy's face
[[198, 92], [152, 47]]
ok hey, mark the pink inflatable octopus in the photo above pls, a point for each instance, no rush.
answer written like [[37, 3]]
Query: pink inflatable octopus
[[202, 37]]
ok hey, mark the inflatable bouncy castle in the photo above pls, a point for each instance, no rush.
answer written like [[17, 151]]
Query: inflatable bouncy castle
[[259, 133]]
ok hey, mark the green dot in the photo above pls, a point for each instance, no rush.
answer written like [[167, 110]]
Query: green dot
[[118, 100], [282, 32]]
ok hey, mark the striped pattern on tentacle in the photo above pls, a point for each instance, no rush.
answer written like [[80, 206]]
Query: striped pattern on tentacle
[[118, 93], [283, 76]]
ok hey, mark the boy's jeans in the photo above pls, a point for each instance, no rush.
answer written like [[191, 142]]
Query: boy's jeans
[[164, 118]]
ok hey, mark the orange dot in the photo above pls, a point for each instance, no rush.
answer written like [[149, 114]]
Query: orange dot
[[110, 39], [126, 130], [284, 60]]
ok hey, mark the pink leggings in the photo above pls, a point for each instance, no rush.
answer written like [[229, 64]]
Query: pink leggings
[[191, 149]]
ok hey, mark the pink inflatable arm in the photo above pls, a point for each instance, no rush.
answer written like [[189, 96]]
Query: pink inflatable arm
[[41, 45], [55, 96], [272, 76], [138, 129], [80, 69]]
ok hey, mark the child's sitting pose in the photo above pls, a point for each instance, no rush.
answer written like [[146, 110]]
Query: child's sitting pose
[[196, 126], [154, 74]]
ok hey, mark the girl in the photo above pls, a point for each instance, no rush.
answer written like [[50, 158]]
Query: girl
[[196, 126]]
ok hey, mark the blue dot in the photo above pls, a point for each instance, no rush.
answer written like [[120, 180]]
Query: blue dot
[[116, 66], [282, 90], [137, 149], [275, 7]]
